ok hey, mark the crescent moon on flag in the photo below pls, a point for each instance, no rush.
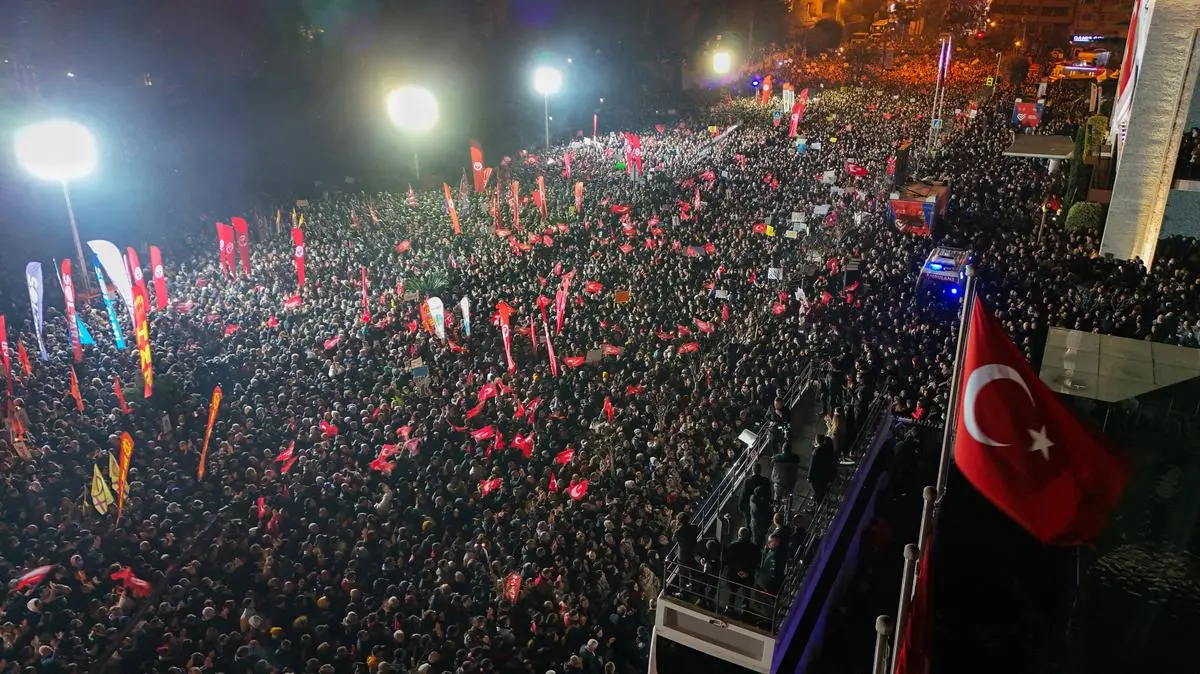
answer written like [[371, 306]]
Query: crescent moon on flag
[[981, 377]]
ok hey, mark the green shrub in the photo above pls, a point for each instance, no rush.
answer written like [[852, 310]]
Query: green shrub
[[1084, 215]]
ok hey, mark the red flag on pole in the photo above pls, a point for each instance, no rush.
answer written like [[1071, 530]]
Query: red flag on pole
[[1020, 446], [23, 358], [120, 395], [33, 577], [913, 653], [141, 331], [160, 279], [515, 202], [242, 231], [298, 242], [366, 313], [578, 197], [549, 345], [8, 377], [505, 311], [225, 243], [477, 165], [68, 288], [450, 209], [213, 405], [578, 490]]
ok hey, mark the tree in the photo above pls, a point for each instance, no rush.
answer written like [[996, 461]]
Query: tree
[[1017, 69], [826, 34], [1084, 215]]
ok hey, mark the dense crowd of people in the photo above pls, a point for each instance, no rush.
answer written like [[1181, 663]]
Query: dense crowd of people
[[373, 492]]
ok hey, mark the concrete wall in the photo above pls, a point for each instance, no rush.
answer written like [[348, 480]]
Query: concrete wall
[[1165, 87]]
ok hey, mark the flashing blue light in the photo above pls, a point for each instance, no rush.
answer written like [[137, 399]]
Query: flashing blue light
[[934, 266], [754, 82], [954, 291]]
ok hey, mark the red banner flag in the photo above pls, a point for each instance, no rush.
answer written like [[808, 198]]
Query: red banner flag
[[564, 457], [241, 231], [298, 242], [1026, 452], [225, 243], [514, 201], [68, 288], [553, 486], [477, 165], [608, 409], [524, 444], [450, 209], [488, 486], [512, 588], [160, 278], [541, 197], [560, 301], [505, 311], [120, 395], [135, 273], [23, 358], [75, 391], [8, 377], [549, 345], [141, 330], [366, 314], [578, 198], [213, 406]]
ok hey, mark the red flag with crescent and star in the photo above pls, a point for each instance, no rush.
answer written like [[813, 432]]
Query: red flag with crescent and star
[[1020, 446]]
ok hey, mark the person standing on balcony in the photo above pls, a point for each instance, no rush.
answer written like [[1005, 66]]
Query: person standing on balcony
[[741, 562], [756, 480], [773, 566], [824, 467], [785, 471], [760, 514]]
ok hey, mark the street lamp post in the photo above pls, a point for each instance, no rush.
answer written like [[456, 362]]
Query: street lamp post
[[546, 81], [59, 150], [413, 110]]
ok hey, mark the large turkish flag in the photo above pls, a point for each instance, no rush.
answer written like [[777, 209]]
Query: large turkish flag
[[1024, 450]]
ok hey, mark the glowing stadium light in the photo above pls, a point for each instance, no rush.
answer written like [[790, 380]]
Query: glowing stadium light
[[412, 109], [547, 81], [59, 150], [722, 62]]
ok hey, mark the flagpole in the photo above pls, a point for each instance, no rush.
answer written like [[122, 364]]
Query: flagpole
[[964, 326]]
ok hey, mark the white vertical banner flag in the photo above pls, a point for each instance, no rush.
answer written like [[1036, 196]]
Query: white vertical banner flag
[[465, 305], [114, 265], [438, 313]]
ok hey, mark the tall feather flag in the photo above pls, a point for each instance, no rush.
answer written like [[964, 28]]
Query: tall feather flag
[[23, 358], [102, 498], [75, 391], [451, 210], [113, 322], [213, 406], [141, 330], [123, 476], [8, 376], [33, 277], [120, 395]]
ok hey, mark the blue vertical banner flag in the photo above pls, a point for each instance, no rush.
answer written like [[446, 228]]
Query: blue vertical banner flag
[[108, 304], [85, 337], [33, 277]]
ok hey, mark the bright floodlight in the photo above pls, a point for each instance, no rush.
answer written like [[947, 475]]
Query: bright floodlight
[[547, 80], [722, 62], [412, 109], [56, 150]]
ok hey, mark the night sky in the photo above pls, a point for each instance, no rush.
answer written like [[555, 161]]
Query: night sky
[[245, 108]]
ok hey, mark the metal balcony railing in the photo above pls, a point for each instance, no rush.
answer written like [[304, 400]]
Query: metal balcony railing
[[745, 600]]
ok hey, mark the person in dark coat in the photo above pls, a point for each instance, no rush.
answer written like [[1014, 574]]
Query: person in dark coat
[[824, 467], [741, 563], [785, 471], [773, 566], [756, 480], [760, 514]]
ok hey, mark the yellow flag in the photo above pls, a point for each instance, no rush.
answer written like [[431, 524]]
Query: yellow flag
[[770, 230], [278, 216], [114, 469], [123, 481], [102, 498], [301, 223]]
